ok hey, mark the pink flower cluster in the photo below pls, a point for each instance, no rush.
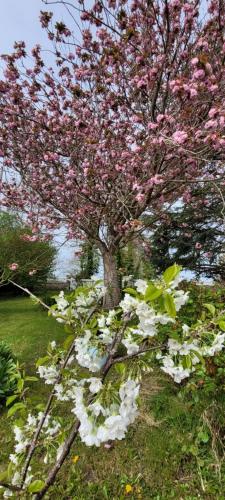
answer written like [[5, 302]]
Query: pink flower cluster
[[100, 139]]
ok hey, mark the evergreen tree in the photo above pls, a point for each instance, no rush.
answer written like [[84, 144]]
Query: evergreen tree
[[192, 235]]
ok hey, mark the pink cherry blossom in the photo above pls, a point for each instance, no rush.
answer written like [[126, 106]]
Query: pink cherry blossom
[[199, 74], [14, 266], [180, 136], [194, 61]]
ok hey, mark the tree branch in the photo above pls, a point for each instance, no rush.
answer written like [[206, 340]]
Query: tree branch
[[141, 351]]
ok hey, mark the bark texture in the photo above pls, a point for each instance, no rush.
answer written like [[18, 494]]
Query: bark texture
[[111, 280]]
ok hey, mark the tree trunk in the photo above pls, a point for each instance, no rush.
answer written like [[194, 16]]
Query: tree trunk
[[111, 280]]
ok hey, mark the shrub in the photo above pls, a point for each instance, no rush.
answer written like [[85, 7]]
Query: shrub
[[34, 258], [8, 372]]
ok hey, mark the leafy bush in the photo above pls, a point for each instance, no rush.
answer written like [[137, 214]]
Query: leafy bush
[[199, 295], [33, 256], [8, 372]]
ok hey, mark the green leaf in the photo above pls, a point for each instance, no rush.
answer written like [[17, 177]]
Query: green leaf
[[68, 328], [221, 324], [120, 368], [20, 384], [93, 323], [187, 363], [131, 291], [152, 292], [3, 475], [40, 407], [10, 399], [42, 361], [211, 308], [203, 437], [170, 273], [68, 342], [169, 305], [15, 408], [10, 469], [36, 486], [31, 379]]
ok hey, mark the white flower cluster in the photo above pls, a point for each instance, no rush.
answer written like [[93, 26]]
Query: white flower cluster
[[85, 301], [104, 323], [132, 347], [61, 302], [172, 363], [53, 345], [99, 421], [177, 372], [217, 345], [20, 439], [180, 298], [23, 438], [87, 355], [62, 308], [79, 306], [141, 286], [148, 317], [48, 373], [17, 477], [117, 417], [187, 347], [66, 392], [22, 435]]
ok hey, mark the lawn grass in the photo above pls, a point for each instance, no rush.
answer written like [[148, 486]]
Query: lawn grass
[[27, 329], [151, 459]]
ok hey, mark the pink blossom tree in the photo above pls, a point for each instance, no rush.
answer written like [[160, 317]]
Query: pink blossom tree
[[126, 121]]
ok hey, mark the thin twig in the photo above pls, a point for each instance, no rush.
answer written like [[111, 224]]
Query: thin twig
[[9, 486], [66, 449], [42, 421], [31, 294]]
